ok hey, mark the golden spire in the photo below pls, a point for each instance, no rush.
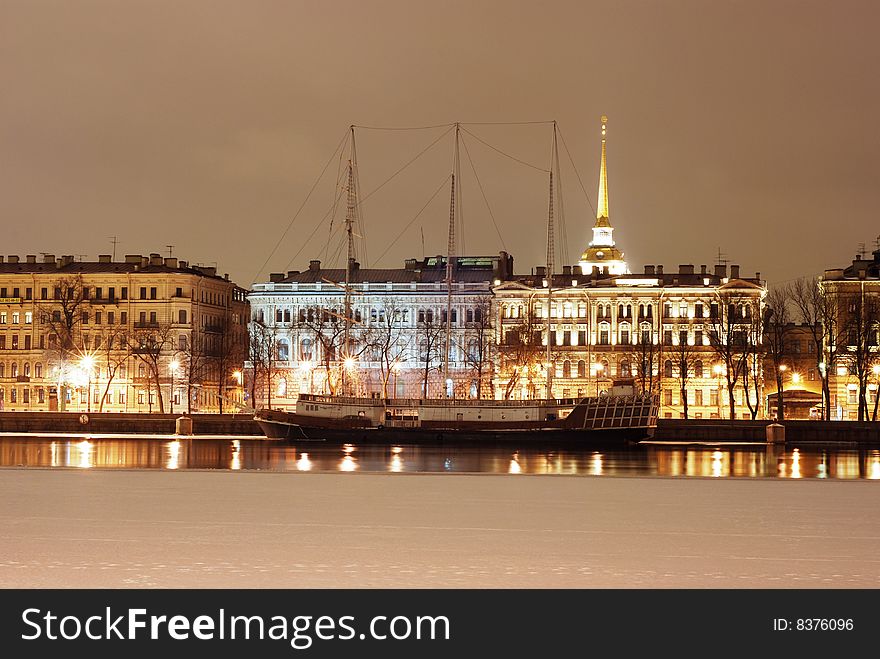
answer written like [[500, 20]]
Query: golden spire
[[602, 210]]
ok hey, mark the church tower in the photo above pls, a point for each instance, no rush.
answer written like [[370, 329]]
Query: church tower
[[601, 251]]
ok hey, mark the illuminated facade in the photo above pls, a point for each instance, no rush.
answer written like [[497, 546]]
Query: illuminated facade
[[397, 335], [854, 375], [140, 335]]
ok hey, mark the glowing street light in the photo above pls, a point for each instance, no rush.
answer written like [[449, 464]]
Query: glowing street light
[[173, 366], [87, 363]]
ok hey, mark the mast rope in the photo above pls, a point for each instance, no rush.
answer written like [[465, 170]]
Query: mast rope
[[577, 174], [483, 192], [417, 215], [302, 205], [504, 153]]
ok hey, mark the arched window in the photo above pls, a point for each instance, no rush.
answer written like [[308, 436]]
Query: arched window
[[13, 371], [27, 369], [582, 369], [283, 350], [566, 369], [305, 350], [582, 310], [505, 311], [282, 387], [624, 370], [2, 370], [667, 368], [604, 334], [698, 369], [625, 337]]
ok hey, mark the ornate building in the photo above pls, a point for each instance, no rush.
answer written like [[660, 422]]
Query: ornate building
[[397, 337], [142, 335], [852, 336], [689, 335]]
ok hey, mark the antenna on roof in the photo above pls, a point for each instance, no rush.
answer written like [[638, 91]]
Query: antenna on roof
[[115, 242], [722, 258], [861, 251], [877, 243], [80, 257], [170, 249]]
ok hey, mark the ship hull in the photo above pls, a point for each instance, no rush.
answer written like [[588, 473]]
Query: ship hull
[[295, 432]]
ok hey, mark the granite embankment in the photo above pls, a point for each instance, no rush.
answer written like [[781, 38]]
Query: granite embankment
[[109, 423]]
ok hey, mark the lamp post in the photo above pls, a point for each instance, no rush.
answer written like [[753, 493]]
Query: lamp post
[[87, 363], [599, 368], [237, 376], [718, 369], [173, 366]]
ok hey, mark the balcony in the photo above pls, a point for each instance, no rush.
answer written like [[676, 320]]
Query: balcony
[[102, 301], [145, 324]]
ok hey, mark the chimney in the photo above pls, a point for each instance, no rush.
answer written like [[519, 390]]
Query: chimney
[[48, 258], [410, 264], [171, 262], [721, 270], [758, 277], [12, 259], [541, 271], [156, 259], [104, 258], [275, 277], [183, 264], [566, 269], [734, 272], [314, 265], [659, 269], [291, 273], [132, 258], [66, 259], [595, 270], [686, 269], [703, 270], [31, 258], [649, 269]]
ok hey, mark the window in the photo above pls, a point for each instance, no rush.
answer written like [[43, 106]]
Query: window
[[566, 338], [98, 316], [140, 398], [698, 310], [604, 334], [566, 369], [178, 292], [99, 293], [682, 309], [28, 293], [143, 292], [15, 341], [667, 396], [667, 369], [698, 369], [3, 317], [124, 293], [16, 318], [698, 337], [85, 293], [44, 293], [111, 293], [713, 397], [123, 317], [624, 335], [27, 342], [153, 320], [682, 337], [38, 370], [152, 292], [283, 350], [667, 337], [698, 397], [582, 337], [582, 369], [181, 316]]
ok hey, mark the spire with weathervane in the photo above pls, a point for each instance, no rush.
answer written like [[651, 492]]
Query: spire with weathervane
[[601, 252]]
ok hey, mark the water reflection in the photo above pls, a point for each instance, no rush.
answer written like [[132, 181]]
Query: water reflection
[[755, 461]]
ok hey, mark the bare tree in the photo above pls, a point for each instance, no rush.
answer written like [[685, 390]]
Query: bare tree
[[729, 334], [195, 355], [62, 316], [684, 357], [521, 350], [862, 319], [644, 358], [430, 336], [148, 343], [386, 341], [776, 333], [820, 312], [114, 350], [227, 353], [327, 329], [751, 365], [479, 346], [262, 354]]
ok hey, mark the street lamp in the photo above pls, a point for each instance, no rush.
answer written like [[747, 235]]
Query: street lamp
[[599, 368], [718, 369], [87, 363], [173, 366]]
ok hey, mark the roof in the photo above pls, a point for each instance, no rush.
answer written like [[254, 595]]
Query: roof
[[63, 268]]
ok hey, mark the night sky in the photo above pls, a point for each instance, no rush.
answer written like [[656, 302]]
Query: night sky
[[749, 126]]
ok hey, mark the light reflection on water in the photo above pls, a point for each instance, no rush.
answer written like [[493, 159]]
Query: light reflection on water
[[754, 461]]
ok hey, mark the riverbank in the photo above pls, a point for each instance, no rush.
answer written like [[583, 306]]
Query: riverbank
[[106, 529], [119, 425], [796, 432]]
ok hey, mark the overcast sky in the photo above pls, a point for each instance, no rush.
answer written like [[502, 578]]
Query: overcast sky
[[749, 126]]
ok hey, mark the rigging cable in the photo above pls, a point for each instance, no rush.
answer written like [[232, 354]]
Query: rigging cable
[[417, 215], [305, 201], [483, 192], [503, 153], [370, 194], [571, 160]]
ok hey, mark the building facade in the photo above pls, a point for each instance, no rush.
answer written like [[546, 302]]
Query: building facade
[[146, 334], [852, 295]]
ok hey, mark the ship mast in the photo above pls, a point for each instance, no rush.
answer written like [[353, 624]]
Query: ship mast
[[450, 256], [551, 244], [350, 218]]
